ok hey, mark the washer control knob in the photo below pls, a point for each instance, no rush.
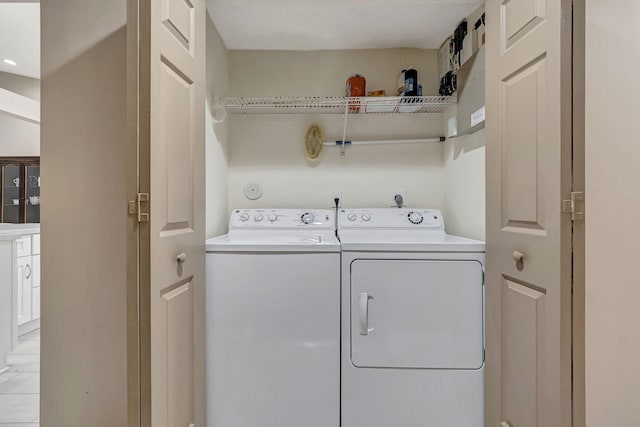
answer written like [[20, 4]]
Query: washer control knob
[[352, 217], [273, 218], [415, 218], [258, 218], [244, 217], [307, 218], [366, 217]]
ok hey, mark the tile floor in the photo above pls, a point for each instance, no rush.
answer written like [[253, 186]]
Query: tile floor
[[20, 386]]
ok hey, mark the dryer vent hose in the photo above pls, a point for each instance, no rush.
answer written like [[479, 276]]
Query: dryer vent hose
[[313, 142]]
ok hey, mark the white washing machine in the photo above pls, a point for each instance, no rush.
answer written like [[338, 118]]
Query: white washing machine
[[273, 320], [412, 321]]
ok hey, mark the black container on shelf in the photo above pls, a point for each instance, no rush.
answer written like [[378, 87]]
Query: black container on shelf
[[411, 82]]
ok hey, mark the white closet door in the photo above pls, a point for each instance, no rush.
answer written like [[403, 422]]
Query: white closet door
[[171, 108], [529, 244]]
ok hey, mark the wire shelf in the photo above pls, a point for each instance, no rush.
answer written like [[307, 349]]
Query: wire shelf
[[339, 105]]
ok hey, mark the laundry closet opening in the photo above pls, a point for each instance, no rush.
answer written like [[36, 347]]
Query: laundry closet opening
[[344, 162], [265, 91]]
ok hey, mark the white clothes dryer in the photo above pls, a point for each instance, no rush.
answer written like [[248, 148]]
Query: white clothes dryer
[[273, 320], [412, 321]]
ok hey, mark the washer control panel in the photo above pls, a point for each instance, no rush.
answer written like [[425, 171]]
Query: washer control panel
[[391, 218], [282, 218]]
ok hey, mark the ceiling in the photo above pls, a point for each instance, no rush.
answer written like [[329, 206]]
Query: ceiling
[[275, 25], [20, 38], [337, 24]]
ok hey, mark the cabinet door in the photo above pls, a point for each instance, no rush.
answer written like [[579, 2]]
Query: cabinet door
[[23, 246], [24, 277], [32, 196], [35, 312], [12, 199], [35, 287], [35, 244], [35, 266]]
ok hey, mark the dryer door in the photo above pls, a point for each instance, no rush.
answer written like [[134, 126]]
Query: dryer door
[[417, 314]]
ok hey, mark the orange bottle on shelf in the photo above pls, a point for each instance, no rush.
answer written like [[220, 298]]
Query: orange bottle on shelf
[[356, 87]]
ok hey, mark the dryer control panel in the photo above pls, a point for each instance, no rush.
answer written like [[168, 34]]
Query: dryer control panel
[[391, 218], [315, 219]]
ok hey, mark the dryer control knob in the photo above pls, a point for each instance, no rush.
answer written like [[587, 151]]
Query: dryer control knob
[[366, 217], [352, 217], [415, 218], [244, 217], [273, 218], [307, 218], [258, 218]]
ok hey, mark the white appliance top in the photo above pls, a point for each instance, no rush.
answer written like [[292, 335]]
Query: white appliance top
[[279, 230], [399, 229]]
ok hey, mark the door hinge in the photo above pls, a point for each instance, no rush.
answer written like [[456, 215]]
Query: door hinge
[[574, 206], [135, 207]]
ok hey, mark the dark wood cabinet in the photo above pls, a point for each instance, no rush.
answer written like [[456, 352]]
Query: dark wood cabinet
[[20, 192]]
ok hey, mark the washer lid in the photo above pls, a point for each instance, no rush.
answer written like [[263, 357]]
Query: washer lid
[[274, 243]]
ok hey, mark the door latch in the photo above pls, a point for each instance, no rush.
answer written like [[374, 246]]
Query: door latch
[[135, 207], [574, 206]]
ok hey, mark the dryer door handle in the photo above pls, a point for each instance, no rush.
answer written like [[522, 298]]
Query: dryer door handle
[[364, 313]]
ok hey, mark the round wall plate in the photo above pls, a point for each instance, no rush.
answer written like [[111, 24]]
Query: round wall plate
[[253, 191], [218, 113]]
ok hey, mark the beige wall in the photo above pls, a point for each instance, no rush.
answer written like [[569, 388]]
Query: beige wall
[[464, 173], [84, 216], [19, 137], [268, 150], [464, 207], [216, 134], [325, 72], [612, 206]]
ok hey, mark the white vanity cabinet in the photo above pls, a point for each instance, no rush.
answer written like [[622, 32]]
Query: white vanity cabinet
[[28, 283], [19, 284]]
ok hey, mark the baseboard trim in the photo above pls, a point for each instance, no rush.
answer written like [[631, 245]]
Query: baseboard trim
[[28, 327]]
